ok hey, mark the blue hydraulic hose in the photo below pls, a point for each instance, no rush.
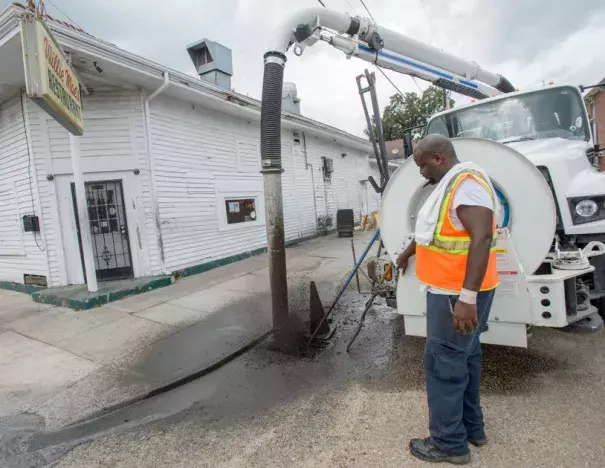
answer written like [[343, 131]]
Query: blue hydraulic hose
[[505, 206], [350, 277]]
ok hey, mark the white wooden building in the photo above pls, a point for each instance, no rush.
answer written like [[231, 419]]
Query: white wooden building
[[171, 164]]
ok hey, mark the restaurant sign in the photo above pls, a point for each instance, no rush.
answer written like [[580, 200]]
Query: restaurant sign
[[50, 80]]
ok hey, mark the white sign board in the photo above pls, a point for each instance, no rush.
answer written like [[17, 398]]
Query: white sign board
[[50, 80]]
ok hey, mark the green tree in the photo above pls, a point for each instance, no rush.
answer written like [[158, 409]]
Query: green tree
[[410, 110]]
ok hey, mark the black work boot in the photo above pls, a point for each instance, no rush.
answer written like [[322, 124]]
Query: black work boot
[[426, 451], [478, 442]]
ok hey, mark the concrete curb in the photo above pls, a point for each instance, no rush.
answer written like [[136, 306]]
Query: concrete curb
[[64, 297], [20, 287]]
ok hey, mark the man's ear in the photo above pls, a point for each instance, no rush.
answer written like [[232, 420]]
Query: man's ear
[[438, 158]]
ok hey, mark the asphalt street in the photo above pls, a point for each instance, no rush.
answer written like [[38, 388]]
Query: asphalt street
[[543, 405]]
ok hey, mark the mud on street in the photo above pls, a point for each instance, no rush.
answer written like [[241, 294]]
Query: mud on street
[[543, 408]]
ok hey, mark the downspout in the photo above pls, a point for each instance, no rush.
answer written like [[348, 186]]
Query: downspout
[[151, 162], [297, 199], [36, 183], [309, 166]]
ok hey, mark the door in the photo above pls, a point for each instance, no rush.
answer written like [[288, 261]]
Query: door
[[108, 230]]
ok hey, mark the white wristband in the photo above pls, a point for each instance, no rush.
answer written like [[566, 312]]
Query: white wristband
[[468, 297]]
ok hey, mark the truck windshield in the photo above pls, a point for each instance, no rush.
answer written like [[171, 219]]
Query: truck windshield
[[547, 113]]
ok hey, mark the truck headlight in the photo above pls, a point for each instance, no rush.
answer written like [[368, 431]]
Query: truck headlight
[[586, 210]]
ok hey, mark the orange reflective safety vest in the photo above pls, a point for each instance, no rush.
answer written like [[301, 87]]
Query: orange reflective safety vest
[[442, 263]]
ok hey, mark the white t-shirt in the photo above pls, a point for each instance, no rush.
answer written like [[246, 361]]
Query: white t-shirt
[[469, 193]]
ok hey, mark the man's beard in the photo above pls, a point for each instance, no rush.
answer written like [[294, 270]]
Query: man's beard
[[430, 182]]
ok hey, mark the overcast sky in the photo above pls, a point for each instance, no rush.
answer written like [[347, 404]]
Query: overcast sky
[[528, 41]]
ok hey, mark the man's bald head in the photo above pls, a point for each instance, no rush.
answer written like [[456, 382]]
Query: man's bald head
[[435, 156], [436, 144]]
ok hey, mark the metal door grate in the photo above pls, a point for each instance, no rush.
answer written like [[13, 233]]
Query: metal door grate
[[108, 229]]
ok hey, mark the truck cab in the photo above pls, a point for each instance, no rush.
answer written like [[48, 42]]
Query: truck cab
[[551, 128]]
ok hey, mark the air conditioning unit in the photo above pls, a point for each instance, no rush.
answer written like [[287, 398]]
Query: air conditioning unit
[[345, 222]]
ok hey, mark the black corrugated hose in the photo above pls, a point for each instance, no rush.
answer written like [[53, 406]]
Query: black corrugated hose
[[270, 114]]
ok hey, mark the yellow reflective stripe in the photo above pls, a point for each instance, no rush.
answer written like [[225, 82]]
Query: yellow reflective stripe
[[446, 201], [434, 248], [455, 252], [458, 244], [485, 185], [451, 245], [451, 238], [456, 238], [479, 179], [442, 211]]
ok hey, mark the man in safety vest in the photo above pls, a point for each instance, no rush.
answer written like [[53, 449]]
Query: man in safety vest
[[456, 260]]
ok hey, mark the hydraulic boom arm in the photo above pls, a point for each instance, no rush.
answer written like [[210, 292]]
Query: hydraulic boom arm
[[363, 38]]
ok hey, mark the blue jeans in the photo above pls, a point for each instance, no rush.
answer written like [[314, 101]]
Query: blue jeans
[[452, 363]]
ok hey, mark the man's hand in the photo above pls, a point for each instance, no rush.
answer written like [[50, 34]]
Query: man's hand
[[404, 259], [402, 263], [465, 317]]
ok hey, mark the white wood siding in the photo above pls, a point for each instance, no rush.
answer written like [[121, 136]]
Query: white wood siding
[[113, 145], [203, 157], [342, 190], [20, 252]]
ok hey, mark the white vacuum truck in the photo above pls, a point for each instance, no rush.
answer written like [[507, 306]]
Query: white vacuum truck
[[562, 280], [540, 283], [537, 146]]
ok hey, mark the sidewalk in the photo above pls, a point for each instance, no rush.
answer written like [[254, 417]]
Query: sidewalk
[[67, 365]]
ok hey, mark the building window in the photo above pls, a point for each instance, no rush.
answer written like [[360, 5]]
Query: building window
[[241, 210]]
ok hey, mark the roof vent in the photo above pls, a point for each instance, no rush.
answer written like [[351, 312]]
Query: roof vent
[[289, 98], [212, 62]]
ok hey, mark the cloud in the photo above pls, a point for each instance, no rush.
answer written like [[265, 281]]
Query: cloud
[[527, 41]]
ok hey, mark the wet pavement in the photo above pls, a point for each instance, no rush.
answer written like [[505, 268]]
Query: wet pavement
[[67, 366], [543, 407]]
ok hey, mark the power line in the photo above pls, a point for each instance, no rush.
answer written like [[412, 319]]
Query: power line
[[352, 7], [364, 5], [66, 15], [390, 81], [378, 66], [417, 85], [353, 10]]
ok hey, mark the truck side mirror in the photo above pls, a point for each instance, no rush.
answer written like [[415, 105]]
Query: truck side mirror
[[408, 147]]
